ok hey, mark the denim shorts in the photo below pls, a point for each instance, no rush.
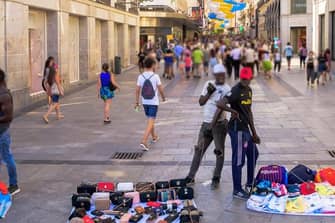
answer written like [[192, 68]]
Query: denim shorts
[[150, 110], [55, 98]]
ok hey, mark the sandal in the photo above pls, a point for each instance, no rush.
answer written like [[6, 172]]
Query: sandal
[[155, 139], [144, 147], [46, 120], [60, 117]]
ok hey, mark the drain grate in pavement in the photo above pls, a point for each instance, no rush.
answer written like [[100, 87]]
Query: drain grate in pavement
[[331, 153], [127, 156]]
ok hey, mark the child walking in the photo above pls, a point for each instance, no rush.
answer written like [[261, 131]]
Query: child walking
[[188, 64], [148, 85], [277, 61]]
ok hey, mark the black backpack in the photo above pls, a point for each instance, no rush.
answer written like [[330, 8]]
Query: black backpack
[[148, 91]]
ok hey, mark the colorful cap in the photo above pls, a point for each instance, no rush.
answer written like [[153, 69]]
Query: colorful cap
[[246, 73]]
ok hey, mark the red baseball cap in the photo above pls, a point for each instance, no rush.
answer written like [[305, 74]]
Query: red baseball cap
[[246, 73]]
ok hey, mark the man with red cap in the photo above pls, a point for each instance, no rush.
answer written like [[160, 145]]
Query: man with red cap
[[242, 132]]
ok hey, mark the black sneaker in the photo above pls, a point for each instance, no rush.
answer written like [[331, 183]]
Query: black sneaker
[[241, 195], [14, 189], [189, 181], [215, 184]]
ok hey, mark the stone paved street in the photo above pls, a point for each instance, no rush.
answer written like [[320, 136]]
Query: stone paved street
[[295, 122]]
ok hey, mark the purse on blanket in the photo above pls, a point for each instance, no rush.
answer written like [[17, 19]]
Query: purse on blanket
[[116, 197], [86, 188], [186, 193], [105, 187], [125, 187], [144, 187], [148, 196], [162, 185]]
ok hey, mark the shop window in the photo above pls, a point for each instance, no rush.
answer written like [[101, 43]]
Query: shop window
[[298, 6]]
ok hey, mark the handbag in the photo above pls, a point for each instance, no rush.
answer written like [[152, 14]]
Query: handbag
[[144, 187], [186, 193], [115, 197], [125, 187], [112, 87], [148, 196], [300, 174], [162, 185], [75, 196], [135, 218], [165, 195], [105, 187], [102, 204], [83, 202], [86, 188], [178, 183], [134, 195]]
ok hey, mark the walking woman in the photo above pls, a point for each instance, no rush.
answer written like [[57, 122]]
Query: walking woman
[[50, 62], [55, 90], [106, 86], [322, 68], [310, 68]]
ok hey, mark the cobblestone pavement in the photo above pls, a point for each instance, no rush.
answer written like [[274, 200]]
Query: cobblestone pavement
[[294, 121]]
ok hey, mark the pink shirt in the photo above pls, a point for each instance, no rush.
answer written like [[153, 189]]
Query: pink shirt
[[188, 62]]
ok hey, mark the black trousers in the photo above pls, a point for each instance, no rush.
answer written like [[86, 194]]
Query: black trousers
[[236, 65], [277, 66]]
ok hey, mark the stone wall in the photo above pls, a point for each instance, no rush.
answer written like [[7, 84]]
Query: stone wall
[[288, 21], [80, 34]]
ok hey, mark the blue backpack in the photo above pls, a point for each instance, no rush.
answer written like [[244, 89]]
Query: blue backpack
[[148, 91]]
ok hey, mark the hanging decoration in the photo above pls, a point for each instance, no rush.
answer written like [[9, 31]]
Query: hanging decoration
[[221, 11]]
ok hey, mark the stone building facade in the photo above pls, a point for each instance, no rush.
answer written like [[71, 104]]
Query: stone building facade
[[324, 27], [296, 23], [80, 34]]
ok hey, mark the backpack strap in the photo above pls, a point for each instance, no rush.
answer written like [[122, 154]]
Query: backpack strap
[[148, 78]]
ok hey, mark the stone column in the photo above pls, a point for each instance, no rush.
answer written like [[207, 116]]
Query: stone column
[[125, 44], [111, 41], [63, 47], [83, 48], [93, 69], [18, 68]]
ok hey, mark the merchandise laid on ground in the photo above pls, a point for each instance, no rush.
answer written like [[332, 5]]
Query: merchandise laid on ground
[[5, 200], [301, 191], [146, 202]]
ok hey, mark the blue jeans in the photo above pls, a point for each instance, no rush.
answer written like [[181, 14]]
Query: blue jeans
[[7, 156], [242, 146]]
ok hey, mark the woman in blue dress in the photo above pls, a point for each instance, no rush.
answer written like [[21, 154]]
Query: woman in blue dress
[[106, 86]]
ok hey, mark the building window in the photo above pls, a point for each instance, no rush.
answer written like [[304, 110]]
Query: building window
[[333, 35], [322, 40], [298, 6]]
